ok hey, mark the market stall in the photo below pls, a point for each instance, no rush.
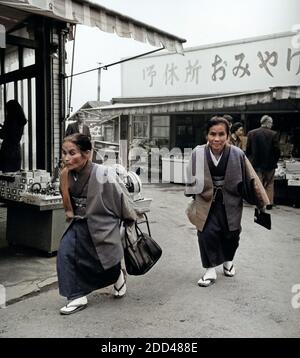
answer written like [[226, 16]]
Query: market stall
[[35, 215], [287, 182]]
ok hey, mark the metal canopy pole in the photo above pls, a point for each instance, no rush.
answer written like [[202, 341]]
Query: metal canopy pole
[[105, 67], [72, 67]]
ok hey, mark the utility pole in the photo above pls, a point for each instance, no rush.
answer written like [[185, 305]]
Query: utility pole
[[99, 82]]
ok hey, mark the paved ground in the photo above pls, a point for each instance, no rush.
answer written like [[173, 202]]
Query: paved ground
[[167, 302]]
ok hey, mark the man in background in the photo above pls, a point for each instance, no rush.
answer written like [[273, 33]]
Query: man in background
[[263, 152], [79, 126]]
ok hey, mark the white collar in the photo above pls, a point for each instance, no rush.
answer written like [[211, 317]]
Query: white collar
[[214, 159]]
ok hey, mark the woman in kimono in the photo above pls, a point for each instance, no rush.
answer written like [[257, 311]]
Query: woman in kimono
[[237, 133], [95, 201], [219, 175]]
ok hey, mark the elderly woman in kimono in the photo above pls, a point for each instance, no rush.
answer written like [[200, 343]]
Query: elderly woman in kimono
[[219, 177], [91, 250]]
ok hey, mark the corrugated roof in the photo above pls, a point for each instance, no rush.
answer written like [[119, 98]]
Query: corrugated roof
[[209, 103]]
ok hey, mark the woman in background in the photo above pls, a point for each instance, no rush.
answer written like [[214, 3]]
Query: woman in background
[[11, 132], [237, 135]]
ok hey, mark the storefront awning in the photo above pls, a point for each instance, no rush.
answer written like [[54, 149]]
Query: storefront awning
[[212, 103], [292, 92], [94, 15]]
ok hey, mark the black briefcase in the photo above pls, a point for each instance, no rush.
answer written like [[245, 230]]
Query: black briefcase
[[262, 218]]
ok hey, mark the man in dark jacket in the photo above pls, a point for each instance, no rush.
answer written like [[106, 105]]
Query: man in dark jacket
[[78, 126], [263, 151]]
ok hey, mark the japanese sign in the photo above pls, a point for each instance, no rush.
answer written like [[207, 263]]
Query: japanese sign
[[253, 64]]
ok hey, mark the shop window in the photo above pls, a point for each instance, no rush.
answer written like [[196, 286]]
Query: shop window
[[140, 127], [108, 134], [160, 130], [180, 130], [11, 61], [161, 121], [10, 91], [2, 104], [28, 57], [24, 32], [184, 136], [116, 131], [1, 59], [32, 105], [183, 130], [23, 100]]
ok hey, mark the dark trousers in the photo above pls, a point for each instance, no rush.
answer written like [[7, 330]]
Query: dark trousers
[[267, 179]]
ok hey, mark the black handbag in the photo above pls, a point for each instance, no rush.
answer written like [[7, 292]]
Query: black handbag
[[263, 219], [142, 254]]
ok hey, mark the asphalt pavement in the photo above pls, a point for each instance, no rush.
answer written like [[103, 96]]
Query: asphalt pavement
[[262, 300]]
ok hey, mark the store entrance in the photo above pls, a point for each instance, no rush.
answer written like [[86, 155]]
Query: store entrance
[[18, 74], [189, 131], [24, 91], [288, 129]]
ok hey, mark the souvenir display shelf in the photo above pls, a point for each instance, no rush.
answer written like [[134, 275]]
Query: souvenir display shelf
[[31, 187], [35, 214]]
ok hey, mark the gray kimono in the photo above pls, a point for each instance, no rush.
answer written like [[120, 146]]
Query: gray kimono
[[239, 178], [108, 201]]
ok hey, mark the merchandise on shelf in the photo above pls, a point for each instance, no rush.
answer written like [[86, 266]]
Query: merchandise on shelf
[[34, 187], [280, 171], [292, 172], [134, 186], [292, 166]]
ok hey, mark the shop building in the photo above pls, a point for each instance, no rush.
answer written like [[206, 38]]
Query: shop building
[[33, 35], [33, 57], [171, 97]]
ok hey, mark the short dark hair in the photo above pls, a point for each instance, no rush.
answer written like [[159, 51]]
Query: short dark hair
[[228, 117], [215, 121], [236, 126], [82, 141]]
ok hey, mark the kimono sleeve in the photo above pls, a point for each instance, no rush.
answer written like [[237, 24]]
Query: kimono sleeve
[[256, 193], [195, 172], [119, 200]]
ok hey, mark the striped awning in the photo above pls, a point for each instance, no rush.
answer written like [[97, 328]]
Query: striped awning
[[94, 15], [291, 92], [212, 103]]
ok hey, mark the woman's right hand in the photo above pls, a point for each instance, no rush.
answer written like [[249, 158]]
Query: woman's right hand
[[262, 209], [69, 215]]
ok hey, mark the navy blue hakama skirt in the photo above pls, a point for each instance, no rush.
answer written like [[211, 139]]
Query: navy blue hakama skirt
[[217, 244], [79, 269]]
